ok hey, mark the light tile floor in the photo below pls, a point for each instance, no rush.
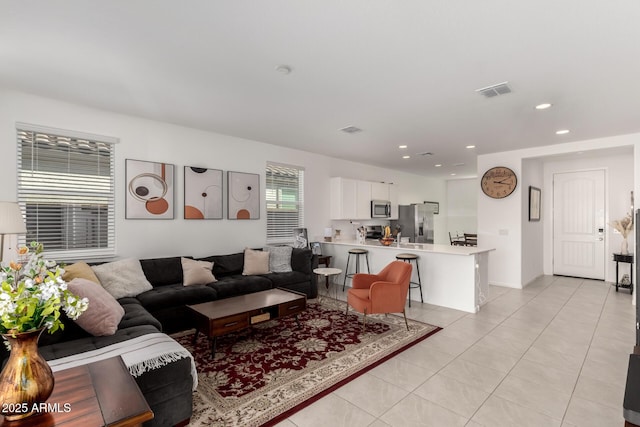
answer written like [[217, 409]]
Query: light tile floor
[[552, 354]]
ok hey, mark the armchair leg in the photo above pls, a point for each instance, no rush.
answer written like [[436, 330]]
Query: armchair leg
[[405, 319], [347, 310]]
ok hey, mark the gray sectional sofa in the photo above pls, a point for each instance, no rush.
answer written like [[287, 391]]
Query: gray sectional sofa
[[168, 390]]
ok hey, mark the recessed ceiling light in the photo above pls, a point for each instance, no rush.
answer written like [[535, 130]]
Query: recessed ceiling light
[[351, 129], [402, 146], [562, 132], [543, 106], [406, 157], [453, 174], [438, 165], [284, 69], [458, 164], [471, 146]]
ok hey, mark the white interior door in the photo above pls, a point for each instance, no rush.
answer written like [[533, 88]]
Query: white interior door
[[578, 224]]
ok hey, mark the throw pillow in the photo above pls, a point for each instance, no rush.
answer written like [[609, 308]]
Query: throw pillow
[[196, 272], [123, 278], [255, 262], [80, 270], [103, 313], [279, 258]]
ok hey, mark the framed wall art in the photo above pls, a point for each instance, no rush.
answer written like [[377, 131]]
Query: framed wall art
[[534, 203], [243, 195], [150, 188], [202, 193]]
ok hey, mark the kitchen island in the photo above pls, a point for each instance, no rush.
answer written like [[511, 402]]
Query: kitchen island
[[452, 276]]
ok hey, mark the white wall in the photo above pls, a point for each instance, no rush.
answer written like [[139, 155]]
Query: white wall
[[500, 222], [532, 244], [164, 142], [462, 206]]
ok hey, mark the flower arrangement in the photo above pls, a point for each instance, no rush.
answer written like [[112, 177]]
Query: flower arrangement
[[33, 293], [624, 225]]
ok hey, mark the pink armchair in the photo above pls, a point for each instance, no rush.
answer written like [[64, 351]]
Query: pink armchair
[[385, 292]]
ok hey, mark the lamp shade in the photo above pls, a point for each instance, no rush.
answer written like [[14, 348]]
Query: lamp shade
[[11, 221]]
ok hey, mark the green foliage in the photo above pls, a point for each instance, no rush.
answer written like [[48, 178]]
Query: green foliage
[[33, 293]]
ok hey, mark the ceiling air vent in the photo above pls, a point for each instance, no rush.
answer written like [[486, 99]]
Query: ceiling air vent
[[351, 129], [495, 90], [426, 153]]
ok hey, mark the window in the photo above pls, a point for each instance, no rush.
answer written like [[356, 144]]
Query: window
[[285, 201], [66, 191]]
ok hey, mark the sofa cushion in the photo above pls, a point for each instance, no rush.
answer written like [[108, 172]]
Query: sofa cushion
[[175, 295], [279, 258], [301, 260], [136, 315], [255, 262], [282, 279], [226, 265], [232, 286], [103, 313], [162, 271], [123, 278], [81, 345], [196, 272]]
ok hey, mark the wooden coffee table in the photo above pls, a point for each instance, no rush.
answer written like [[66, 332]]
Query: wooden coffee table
[[97, 394], [217, 318]]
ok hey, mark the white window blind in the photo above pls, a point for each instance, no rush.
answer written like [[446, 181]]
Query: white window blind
[[66, 192], [285, 201]]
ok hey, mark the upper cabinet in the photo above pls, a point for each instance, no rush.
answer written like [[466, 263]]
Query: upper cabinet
[[379, 191], [351, 198], [393, 198]]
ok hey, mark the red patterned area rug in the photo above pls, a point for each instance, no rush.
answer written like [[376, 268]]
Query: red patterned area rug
[[262, 375]]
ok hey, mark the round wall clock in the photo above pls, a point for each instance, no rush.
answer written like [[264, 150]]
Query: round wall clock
[[499, 182]]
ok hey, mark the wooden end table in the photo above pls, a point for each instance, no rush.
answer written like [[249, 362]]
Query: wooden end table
[[97, 394], [217, 318]]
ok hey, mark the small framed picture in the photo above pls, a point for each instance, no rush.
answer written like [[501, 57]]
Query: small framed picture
[[316, 248], [534, 203], [300, 239]]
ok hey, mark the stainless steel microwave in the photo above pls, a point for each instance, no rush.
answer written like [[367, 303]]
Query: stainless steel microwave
[[380, 209]]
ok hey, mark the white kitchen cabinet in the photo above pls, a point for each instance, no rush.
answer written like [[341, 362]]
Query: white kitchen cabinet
[[379, 191], [350, 199], [393, 198], [363, 200]]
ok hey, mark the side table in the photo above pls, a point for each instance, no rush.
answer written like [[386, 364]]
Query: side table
[[327, 272], [625, 258], [97, 394]]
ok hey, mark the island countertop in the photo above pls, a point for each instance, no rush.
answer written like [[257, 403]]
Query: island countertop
[[422, 247], [450, 276]]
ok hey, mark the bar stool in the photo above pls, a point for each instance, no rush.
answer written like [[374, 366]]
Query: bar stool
[[357, 252], [412, 285]]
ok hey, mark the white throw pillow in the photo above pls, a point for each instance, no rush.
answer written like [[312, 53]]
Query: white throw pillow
[[279, 258], [255, 262], [196, 272], [123, 278]]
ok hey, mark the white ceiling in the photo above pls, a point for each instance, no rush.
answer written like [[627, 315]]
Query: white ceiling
[[404, 71]]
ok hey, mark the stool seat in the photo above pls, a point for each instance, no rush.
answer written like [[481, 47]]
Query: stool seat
[[358, 251], [407, 257]]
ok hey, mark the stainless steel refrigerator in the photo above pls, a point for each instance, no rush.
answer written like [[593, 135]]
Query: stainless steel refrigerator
[[416, 222]]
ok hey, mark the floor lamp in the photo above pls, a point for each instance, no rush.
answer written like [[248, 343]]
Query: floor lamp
[[11, 222]]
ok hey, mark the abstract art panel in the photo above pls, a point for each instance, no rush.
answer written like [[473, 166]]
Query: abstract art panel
[[202, 193], [149, 192], [243, 195]]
